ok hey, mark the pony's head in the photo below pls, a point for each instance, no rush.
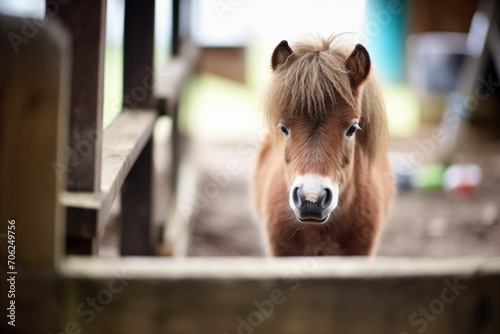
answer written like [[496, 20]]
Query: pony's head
[[313, 107]]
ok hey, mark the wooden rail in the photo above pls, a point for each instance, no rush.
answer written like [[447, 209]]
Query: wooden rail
[[118, 160], [93, 166], [294, 295], [123, 141]]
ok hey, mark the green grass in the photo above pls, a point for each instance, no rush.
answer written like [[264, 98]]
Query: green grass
[[402, 110], [218, 108], [113, 83], [113, 80]]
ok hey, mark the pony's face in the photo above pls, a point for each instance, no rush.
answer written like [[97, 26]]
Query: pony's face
[[318, 157], [319, 148]]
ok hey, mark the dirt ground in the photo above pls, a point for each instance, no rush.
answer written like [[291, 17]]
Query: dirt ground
[[422, 223]]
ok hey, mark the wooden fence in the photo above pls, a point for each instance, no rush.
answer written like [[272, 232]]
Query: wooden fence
[[51, 104]]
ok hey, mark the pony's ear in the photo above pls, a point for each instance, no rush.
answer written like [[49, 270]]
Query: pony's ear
[[358, 64], [280, 55]]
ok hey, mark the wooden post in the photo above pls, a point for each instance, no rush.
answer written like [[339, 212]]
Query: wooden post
[[181, 18], [34, 98], [137, 234], [183, 63], [137, 231], [175, 44], [180, 27], [86, 21], [173, 105], [138, 54]]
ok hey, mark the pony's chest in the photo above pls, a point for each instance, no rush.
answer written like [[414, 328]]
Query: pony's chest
[[320, 244]]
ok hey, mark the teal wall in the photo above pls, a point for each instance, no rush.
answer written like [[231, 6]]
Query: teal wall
[[384, 31]]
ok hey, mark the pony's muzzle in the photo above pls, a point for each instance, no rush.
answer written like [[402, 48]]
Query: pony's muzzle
[[313, 198]]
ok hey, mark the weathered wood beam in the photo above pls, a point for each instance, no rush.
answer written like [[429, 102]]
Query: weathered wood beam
[[171, 79], [86, 22], [34, 107], [245, 295], [138, 51], [123, 142], [137, 232]]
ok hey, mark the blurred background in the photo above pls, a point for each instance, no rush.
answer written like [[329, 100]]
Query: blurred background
[[419, 50], [434, 58]]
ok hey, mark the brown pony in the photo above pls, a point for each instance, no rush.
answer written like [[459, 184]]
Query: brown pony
[[322, 184]]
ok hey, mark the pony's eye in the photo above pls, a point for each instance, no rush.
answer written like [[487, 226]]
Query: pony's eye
[[283, 128], [352, 129]]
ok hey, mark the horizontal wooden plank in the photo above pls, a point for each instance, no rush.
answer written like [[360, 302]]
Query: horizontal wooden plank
[[171, 79], [123, 141], [294, 295], [272, 268]]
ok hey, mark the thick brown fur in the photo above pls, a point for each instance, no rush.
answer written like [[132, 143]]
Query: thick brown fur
[[318, 90]]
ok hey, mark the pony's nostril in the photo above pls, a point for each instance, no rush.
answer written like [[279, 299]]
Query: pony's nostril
[[327, 198], [296, 197]]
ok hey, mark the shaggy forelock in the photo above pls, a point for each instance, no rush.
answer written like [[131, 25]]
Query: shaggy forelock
[[310, 82]]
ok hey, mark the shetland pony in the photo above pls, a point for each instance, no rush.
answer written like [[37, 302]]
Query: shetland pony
[[322, 184]]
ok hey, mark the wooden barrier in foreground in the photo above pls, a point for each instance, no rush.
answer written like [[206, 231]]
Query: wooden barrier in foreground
[[252, 295]]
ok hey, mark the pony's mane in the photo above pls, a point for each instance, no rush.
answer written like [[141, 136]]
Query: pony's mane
[[311, 81]]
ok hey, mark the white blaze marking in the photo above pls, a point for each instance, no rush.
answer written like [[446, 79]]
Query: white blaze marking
[[312, 186]]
